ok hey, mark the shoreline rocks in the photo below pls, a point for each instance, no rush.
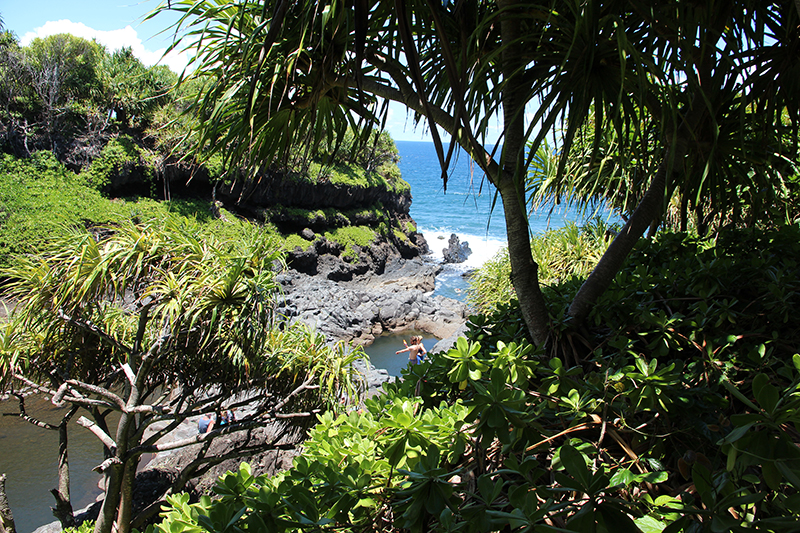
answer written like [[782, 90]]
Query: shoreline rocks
[[456, 251], [398, 300]]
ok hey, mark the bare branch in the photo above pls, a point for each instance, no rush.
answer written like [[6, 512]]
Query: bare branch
[[105, 465], [129, 373], [100, 391], [98, 432], [38, 388], [26, 417]]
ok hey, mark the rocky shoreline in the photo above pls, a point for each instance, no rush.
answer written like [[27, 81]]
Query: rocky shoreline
[[399, 299]]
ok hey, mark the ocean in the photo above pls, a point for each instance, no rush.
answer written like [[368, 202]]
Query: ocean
[[470, 209]]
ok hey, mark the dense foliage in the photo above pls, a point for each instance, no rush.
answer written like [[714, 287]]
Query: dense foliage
[[40, 198], [678, 412], [690, 103], [118, 122], [160, 323]]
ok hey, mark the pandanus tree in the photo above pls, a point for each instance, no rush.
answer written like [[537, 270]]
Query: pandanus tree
[[139, 328], [683, 88]]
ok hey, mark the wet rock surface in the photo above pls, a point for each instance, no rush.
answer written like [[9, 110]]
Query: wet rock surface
[[456, 251]]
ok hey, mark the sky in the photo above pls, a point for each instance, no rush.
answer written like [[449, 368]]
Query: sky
[[119, 23]]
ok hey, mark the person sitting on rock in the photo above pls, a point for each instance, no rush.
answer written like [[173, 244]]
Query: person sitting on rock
[[205, 424], [416, 351], [227, 417]]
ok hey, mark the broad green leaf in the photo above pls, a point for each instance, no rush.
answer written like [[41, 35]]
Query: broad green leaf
[[575, 464]]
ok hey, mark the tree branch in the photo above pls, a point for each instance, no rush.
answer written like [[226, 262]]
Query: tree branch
[[26, 417], [88, 326], [107, 441], [94, 389]]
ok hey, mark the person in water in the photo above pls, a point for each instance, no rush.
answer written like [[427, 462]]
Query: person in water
[[416, 351]]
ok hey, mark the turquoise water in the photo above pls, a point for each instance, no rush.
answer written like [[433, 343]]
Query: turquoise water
[[382, 351]]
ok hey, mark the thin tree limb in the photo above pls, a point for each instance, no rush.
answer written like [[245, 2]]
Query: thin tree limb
[[99, 433]]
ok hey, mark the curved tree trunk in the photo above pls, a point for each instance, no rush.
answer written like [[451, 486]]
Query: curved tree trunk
[[511, 182], [115, 469], [524, 270], [125, 512], [650, 208]]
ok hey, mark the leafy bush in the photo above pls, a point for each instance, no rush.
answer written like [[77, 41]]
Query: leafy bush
[[37, 197], [680, 413], [120, 157]]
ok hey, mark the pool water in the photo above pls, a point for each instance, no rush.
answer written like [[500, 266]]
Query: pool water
[[382, 351]]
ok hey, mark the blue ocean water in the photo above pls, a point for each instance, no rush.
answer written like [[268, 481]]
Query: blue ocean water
[[469, 208]]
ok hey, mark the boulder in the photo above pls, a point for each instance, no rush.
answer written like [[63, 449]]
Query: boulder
[[456, 251]]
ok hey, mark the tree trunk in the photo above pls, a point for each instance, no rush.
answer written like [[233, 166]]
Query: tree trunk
[[126, 496], [598, 281], [63, 509], [650, 208], [108, 511], [524, 270], [115, 475], [511, 182], [6, 517]]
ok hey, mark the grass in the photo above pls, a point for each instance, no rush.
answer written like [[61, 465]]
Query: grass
[[39, 198]]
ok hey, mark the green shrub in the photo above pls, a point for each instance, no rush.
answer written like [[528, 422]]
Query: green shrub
[[39, 197], [677, 408], [293, 240], [571, 251], [120, 156]]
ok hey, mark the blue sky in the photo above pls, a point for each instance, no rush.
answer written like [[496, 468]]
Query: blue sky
[[118, 23]]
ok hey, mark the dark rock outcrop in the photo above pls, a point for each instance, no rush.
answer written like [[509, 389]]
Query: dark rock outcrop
[[456, 251], [400, 299]]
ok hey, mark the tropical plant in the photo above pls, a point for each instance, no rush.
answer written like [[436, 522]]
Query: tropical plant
[[132, 91], [160, 324], [561, 254], [677, 84], [683, 417]]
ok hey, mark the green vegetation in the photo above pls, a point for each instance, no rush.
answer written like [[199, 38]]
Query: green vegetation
[[350, 236], [119, 157], [159, 323], [40, 200], [631, 386], [561, 254], [37, 197], [678, 411], [352, 176]]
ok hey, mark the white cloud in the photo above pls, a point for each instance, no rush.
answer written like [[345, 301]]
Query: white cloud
[[112, 40]]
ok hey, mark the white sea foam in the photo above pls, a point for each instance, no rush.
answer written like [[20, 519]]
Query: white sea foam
[[483, 248]]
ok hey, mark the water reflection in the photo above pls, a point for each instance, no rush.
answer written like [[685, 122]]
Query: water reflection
[[29, 457]]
